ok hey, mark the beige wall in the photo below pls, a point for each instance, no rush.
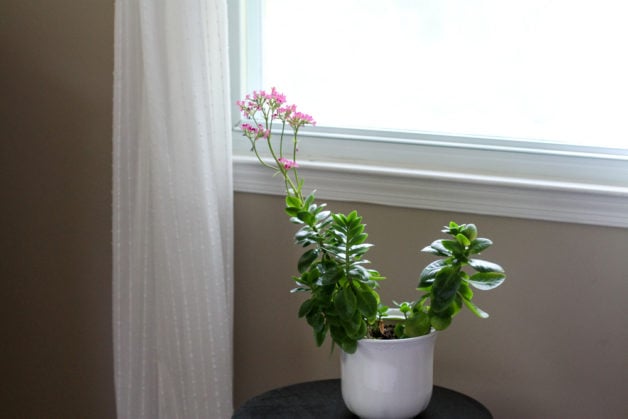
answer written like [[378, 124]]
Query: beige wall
[[55, 164], [554, 346]]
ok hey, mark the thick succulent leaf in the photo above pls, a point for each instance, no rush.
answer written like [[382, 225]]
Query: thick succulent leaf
[[440, 323], [361, 332], [479, 245], [322, 215], [360, 273], [305, 236], [355, 327], [485, 266], [306, 307], [418, 325], [292, 211], [306, 260], [330, 275], [357, 231], [309, 200], [367, 302], [349, 346], [306, 217], [429, 273], [453, 246], [475, 309], [319, 336], [346, 302], [487, 280], [465, 290], [463, 240], [340, 337], [469, 230], [293, 202], [444, 289], [436, 248], [316, 320], [359, 249]]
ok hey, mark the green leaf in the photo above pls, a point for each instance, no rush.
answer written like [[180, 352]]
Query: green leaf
[[417, 325], [357, 231], [293, 202], [319, 336], [330, 274], [444, 289], [320, 216], [306, 307], [475, 309], [361, 332], [487, 280], [359, 249], [349, 346], [436, 248], [440, 323], [400, 330], [429, 273], [453, 246], [316, 320], [367, 302], [305, 236], [452, 228], [465, 290], [306, 217], [306, 260], [463, 240], [469, 230], [485, 266], [479, 245], [360, 273], [355, 327], [345, 302], [309, 200], [292, 211]]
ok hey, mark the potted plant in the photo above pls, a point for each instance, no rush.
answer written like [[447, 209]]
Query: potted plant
[[343, 299]]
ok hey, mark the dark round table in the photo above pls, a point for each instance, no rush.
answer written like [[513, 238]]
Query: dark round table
[[323, 399]]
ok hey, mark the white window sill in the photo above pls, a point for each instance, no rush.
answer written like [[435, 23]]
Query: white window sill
[[521, 181]]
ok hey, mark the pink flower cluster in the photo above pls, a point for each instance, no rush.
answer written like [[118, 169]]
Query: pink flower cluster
[[258, 100], [255, 133], [270, 105], [287, 164], [262, 109], [295, 119]]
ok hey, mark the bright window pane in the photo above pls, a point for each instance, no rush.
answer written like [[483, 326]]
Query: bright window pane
[[540, 70]]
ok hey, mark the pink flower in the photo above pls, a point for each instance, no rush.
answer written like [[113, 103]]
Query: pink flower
[[284, 112], [255, 133], [287, 164], [298, 119]]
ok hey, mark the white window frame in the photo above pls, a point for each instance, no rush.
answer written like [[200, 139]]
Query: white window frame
[[523, 179]]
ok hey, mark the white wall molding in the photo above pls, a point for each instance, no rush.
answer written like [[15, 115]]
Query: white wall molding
[[456, 192]]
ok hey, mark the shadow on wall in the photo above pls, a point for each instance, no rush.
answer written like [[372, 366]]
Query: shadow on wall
[[56, 160]]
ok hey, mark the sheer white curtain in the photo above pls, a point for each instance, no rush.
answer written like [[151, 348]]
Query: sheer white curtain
[[172, 209]]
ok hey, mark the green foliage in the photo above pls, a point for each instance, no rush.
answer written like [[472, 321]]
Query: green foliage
[[445, 282], [343, 298]]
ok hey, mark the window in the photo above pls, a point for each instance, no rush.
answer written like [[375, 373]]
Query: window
[[504, 108]]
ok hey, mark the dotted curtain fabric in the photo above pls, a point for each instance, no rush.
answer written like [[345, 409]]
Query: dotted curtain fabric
[[172, 210]]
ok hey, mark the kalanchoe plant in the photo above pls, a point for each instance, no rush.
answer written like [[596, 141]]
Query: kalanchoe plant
[[446, 284], [343, 300]]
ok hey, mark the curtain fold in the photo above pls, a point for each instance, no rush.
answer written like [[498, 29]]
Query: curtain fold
[[172, 210]]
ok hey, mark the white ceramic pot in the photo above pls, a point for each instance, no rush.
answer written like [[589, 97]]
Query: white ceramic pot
[[389, 379]]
